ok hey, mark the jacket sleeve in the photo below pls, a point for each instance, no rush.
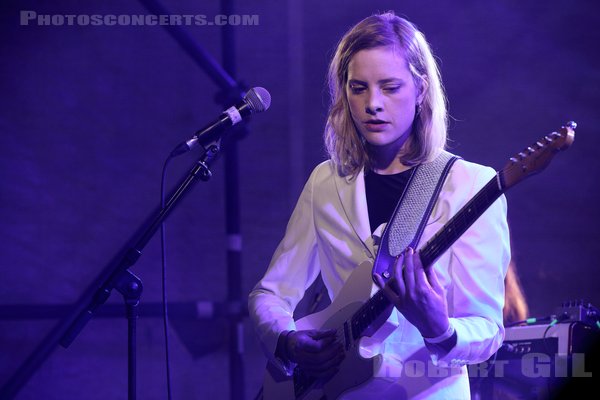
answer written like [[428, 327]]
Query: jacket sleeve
[[292, 270], [478, 264]]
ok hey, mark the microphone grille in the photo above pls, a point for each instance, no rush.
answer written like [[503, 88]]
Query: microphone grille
[[259, 99]]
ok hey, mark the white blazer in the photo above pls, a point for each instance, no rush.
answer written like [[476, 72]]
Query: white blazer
[[329, 233]]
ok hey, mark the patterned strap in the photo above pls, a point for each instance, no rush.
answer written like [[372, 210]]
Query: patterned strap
[[412, 211]]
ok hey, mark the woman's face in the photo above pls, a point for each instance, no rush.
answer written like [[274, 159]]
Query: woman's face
[[382, 96]]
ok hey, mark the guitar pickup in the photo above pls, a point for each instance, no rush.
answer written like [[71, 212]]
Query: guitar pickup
[[346, 336]]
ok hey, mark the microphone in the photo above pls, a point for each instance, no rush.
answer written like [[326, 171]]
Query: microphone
[[257, 100]]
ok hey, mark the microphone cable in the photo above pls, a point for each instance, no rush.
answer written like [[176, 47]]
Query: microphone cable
[[256, 100], [163, 248]]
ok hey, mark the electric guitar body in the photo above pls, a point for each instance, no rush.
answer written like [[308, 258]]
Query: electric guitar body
[[354, 370]]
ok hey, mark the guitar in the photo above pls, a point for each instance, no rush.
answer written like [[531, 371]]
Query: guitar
[[355, 314]]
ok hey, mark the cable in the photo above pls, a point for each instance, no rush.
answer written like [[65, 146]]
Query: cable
[[531, 321], [163, 249]]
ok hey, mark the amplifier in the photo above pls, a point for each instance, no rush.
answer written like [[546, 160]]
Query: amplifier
[[561, 340], [538, 362]]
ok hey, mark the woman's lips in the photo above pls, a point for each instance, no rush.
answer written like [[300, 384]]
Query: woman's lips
[[375, 125]]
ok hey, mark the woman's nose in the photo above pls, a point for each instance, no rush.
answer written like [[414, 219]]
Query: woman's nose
[[374, 103]]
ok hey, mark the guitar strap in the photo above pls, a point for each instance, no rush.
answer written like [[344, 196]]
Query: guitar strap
[[412, 211]]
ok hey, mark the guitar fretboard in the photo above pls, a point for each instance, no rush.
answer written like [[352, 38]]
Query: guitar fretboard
[[368, 313]]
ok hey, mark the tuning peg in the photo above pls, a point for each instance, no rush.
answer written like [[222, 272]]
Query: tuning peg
[[554, 135], [571, 124]]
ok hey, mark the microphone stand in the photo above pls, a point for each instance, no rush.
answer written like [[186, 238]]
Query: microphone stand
[[116, 275]]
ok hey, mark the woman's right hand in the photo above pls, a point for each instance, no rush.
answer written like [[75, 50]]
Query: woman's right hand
[[316, 352]]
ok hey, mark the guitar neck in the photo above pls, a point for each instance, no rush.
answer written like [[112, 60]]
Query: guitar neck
[[458, 224]]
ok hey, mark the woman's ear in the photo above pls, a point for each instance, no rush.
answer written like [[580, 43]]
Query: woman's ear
[[422, 89]]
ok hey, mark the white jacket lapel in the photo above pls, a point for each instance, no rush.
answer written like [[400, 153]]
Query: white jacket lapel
[[354, 202]]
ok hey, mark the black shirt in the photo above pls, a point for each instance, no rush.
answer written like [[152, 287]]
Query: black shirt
[[383, 193]]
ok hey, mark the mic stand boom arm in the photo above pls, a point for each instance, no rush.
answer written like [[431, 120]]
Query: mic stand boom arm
[[115, 275]]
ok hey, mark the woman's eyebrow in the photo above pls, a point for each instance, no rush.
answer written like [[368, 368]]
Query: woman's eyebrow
[[381, 81]]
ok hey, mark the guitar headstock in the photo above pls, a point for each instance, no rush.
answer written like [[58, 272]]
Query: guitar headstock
[[537, 156]]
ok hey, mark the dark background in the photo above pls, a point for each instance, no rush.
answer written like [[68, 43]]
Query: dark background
[[88, 115]]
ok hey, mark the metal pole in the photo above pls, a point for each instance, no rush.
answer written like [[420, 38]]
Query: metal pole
[[232, 220]]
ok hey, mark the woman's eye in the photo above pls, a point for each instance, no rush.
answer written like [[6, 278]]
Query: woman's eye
[[357, 89], [391, 89]]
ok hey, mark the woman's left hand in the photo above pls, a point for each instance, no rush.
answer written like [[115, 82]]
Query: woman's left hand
[[417, 294]]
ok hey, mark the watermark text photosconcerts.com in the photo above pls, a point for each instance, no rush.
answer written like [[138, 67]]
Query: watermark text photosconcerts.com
[[28, 17]]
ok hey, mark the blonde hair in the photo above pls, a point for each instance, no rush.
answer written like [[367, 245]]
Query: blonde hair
[[515, 305], [342, 141]]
